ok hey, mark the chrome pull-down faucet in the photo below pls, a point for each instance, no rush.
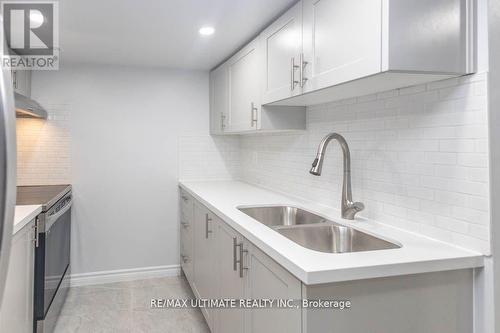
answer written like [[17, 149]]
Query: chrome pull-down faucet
[[348, 208]]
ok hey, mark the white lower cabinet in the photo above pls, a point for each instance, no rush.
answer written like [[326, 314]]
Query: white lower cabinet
[[204, 259], [16, 309], [227, 266], [231, 284], [245, 272], [266, 279]]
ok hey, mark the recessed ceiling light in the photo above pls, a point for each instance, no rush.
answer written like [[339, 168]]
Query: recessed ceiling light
[[206, 31]]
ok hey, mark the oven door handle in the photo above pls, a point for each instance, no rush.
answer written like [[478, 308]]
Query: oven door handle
[[53, 218]]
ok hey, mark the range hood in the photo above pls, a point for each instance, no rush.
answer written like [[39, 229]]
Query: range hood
[[28, 108]]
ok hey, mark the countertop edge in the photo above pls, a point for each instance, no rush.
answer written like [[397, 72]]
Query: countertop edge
[[23, 217], [345, 274], [410, 268]]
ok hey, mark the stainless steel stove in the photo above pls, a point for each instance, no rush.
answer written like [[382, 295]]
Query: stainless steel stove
[[52, 252]]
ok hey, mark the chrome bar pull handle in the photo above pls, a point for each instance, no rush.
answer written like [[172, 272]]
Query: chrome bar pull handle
[[222, 121], [36, 239], [207, 220], [254, 114], [35, 234], [293, 68], [303, 64], [14, 79], [241, 262], [235, 260]]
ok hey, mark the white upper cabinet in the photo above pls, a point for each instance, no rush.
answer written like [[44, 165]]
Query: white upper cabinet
[[218, 99], [282, 47], [429, 36], [354, 48], [324, 50], [341, 41], [244, 89], [236, 97]]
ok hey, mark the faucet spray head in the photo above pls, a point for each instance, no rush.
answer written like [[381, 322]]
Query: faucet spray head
[[316, 166]]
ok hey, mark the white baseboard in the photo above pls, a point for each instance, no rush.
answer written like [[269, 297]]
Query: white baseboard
[[92, 278]]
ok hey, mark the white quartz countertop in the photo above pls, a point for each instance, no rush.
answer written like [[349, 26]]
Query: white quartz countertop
[[418, 254], [24, 214]]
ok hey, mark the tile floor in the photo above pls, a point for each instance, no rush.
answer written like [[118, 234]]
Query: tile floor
[[125, 307]]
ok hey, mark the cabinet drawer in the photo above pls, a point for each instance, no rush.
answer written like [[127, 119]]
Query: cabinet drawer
[[186, 250], [186, 207], [186, 232], [186, 217], [185, 199]]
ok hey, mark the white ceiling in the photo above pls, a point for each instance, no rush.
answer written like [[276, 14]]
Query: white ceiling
[[160, 32]]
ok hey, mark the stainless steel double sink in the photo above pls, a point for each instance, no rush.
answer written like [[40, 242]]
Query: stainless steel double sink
[[315, 232]]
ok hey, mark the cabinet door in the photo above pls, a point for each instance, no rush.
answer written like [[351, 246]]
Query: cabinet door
[[204, 258], [244, 89], [268, 280], [186, 232], [342, 41], [281, 45], [218, 99], [21, 81], [231, 284], [16, 308]]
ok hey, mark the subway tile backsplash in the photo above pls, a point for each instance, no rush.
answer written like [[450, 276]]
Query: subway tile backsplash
[[205, 157], [43, 148], [419, 158]]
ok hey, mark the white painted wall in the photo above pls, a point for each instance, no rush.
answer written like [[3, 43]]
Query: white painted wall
[[125, 125]]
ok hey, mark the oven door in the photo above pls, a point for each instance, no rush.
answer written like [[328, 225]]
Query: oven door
[[52, 257]]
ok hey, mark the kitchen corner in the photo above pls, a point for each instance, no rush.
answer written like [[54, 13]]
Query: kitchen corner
[[251, 166]]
